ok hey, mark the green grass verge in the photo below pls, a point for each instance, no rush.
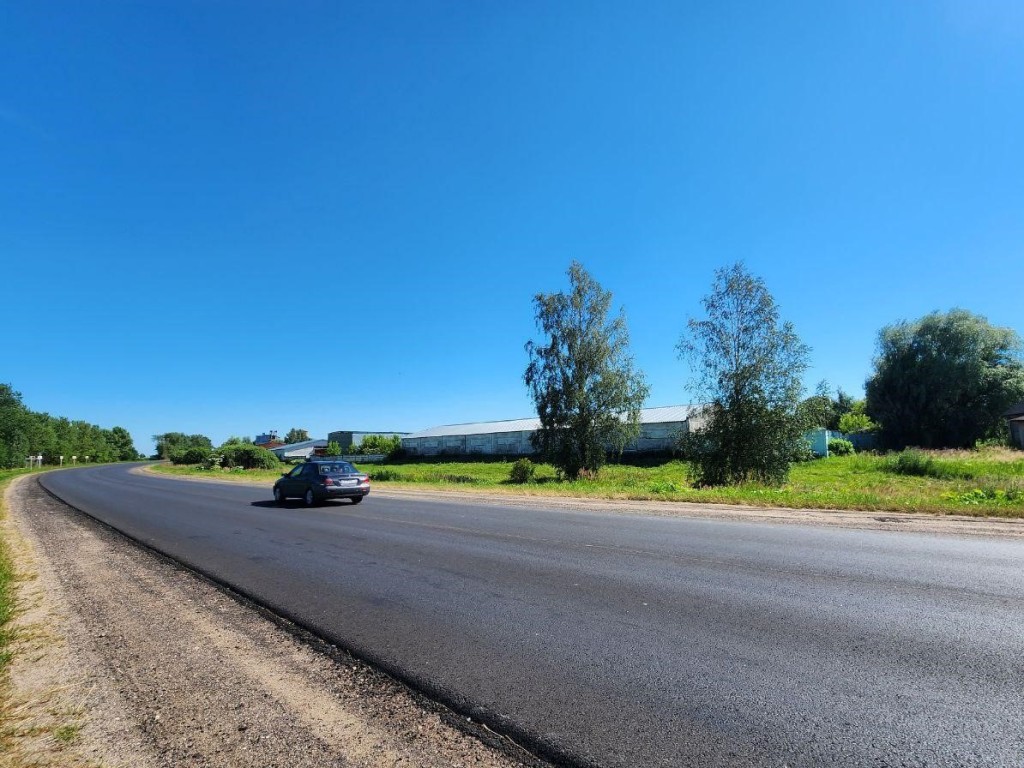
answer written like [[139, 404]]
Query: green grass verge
[[988, 482]]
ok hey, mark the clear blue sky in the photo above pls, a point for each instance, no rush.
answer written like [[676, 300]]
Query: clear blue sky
[[187, 186]]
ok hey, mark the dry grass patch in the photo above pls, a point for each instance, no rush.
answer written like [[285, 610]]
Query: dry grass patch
[[37, 724]]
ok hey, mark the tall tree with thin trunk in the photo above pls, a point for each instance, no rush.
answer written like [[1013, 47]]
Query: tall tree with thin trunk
[[747, 367], [581, 376]]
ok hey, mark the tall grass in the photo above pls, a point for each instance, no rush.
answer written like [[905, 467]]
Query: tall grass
[[956, 465], [919, 464]]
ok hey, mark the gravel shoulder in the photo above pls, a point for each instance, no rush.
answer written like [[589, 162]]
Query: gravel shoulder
[[123, 658], [916, 522]]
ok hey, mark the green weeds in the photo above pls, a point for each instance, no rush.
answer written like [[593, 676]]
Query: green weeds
[[917, 463], [67, 734]]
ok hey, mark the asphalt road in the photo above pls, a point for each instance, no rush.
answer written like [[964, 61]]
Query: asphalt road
[[631, 641]]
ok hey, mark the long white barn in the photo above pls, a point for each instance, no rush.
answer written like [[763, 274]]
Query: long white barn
[[660, 428]]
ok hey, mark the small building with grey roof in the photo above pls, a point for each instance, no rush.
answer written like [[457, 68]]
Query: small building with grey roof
[[298, 451], [660, 429]]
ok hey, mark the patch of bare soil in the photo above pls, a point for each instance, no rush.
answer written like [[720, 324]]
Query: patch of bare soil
[[125, 659]]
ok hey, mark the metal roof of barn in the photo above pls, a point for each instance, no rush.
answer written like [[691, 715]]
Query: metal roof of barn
[[662, 415], [301, 445], [371, 431], [666, 414], [1017, 410], [479, 428]]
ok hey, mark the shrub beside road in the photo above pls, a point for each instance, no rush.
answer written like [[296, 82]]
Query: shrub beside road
[[985, 482]]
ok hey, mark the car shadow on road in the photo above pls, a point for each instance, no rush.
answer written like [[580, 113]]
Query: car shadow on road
[[297, 503]]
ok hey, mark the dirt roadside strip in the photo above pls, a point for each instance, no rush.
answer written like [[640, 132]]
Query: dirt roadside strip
[[916, 522], [122, 658]]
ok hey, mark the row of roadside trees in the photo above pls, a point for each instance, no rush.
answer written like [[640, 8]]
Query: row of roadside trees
[[24, 432], [942, 381], [181, 448]]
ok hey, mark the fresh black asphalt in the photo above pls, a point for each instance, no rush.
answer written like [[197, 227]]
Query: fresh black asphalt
[[619, 640]]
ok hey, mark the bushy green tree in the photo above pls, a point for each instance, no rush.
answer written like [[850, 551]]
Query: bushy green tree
[[852, 423], [816, 411], [247, 456], [178, 442], [388, 445], [581, 376], [823, 410], [747, 366], [842, 405], [14, 428], [944, 381], [333, 449], [122, 445], [296, 435], [193, 455]]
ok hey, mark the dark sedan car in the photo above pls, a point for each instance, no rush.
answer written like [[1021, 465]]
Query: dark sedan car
[[317, 480]]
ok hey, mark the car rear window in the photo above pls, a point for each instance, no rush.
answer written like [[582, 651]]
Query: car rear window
[[337, 469]]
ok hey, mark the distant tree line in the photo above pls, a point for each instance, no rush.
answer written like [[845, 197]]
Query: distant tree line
[[24, 432]]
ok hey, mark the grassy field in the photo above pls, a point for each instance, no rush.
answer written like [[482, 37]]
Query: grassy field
[[988, 482]]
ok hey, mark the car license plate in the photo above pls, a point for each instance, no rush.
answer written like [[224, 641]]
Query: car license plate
[[349, 482]]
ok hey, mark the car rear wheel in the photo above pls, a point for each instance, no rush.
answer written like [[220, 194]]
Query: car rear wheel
[[356, 499], [309, 499], [279, 496]]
